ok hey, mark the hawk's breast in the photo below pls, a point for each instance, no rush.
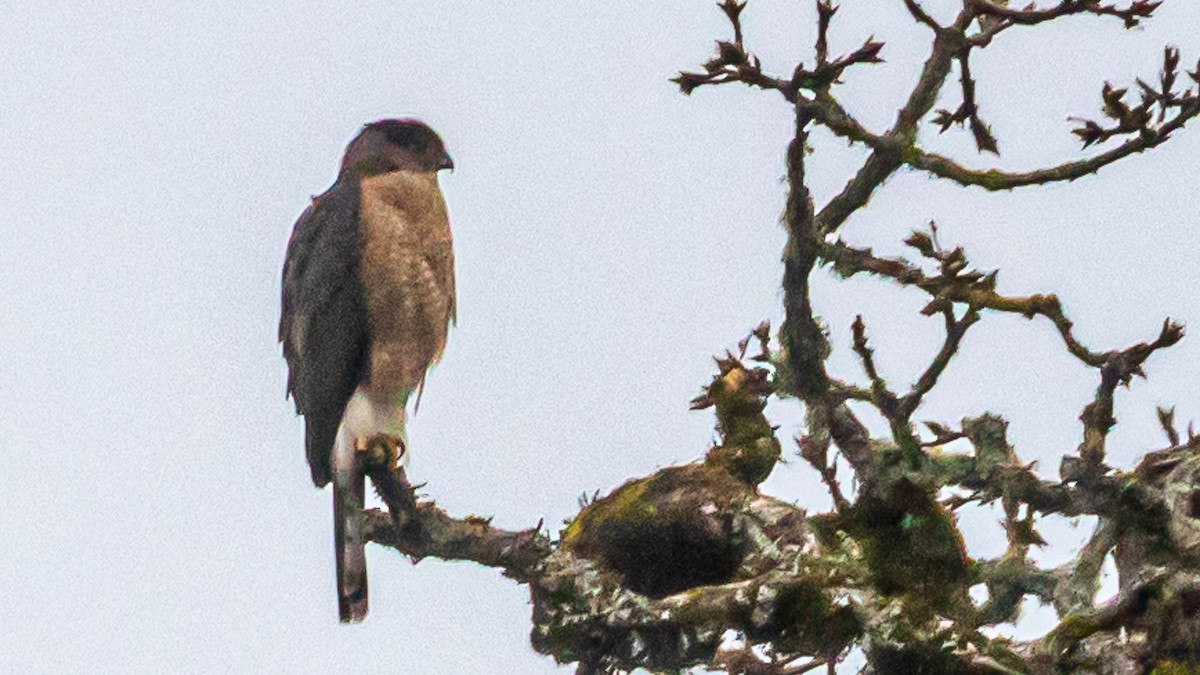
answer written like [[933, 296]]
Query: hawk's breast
[[408, 278]]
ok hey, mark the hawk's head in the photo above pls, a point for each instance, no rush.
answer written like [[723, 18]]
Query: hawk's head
[[396, 145]]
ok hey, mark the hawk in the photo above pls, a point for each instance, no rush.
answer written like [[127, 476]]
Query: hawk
[[368, 299]]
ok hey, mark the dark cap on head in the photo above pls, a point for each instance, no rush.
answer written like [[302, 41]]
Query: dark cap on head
[[395, 145]]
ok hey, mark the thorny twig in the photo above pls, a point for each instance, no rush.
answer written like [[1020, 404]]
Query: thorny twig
[[1131, 14], [968, 111]]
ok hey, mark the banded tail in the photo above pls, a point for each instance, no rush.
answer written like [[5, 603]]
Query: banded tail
[[349, 488]]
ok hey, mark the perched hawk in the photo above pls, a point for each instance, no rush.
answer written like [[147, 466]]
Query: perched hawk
[[368, 297]]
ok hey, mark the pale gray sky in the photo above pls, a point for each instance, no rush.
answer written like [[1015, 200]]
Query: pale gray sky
[[611, 236]]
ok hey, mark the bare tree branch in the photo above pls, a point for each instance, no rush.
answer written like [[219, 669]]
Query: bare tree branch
[[955, 330], [1119, 368], [1136, 121], [968, 112], [1131, 14], [424, 530], [879, 389], [825, 12], [976, 292], [921, 15], [804, 341], [888, 152]]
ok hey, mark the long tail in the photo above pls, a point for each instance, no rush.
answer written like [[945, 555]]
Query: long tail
[[349, 545]]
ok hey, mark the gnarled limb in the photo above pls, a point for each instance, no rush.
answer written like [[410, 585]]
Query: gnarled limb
[[425, 530]]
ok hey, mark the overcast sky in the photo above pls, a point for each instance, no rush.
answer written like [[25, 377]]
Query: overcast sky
[[611, 234]]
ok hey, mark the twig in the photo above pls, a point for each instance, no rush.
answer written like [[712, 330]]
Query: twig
[[814, 449], [825, 12], [955, 330], [1119, 368], [968, 111], [884, 399], [1131, 15], [921, 15], [1166, 419], [993, 179], [848, 261]]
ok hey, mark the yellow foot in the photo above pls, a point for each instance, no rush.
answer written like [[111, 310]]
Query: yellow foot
[[384, 450]]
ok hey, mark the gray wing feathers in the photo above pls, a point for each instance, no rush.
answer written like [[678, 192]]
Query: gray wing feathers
[[323, 326]]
